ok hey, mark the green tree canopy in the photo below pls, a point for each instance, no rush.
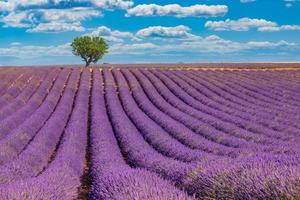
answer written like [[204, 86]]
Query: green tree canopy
[[90, 49]]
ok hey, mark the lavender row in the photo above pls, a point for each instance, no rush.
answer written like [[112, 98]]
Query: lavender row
[[206, 179], [61, 178], [249, 112], [238, 84], [10, 76], [205, 118], [15, 88], [277, 191], [152, 132], [246, 114], [236, 100], [138, 152], [7, 80], [194, 98], [284, 115], [112, 178], [20, 78], [179, 131], [13, 121], [253, 96], [202, 114], [281, 120], [277, 87], [271, 120], [21, 99], [38, 152], [272, 88], [289, 82], [152, 136]]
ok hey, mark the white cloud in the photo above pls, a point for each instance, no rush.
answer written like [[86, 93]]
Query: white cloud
[[134, 48], [18, 20], [267, 44], [67, 15], [50, 20], [211, 44], [111, 35], [177, 10], [43, 15], [280, 28], [179, 39], [13, 5], [103, 4], [216, 44], [27, 52], [56, 27], [245, 24], [109, 4], [178, 32], [36, 51]]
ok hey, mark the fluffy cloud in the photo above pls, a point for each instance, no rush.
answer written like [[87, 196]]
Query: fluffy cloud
[[123, 43], [216, 44], [153, 32], [244, 24], [178, 32], [280, 28], [57, 27], [40, 19], [19, 20], [13, 5], [68, 15], [27, 52], [186, 42], [179, 39], [44, 15], [23, 52], [266, 44], [110, 4], [135, 48], [210, 44], [111, 35], [177, 10]]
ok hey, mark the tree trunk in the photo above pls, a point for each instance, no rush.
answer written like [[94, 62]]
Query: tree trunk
[[87, 64]]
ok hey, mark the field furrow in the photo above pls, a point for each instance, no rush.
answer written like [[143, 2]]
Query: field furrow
[[148, 132]]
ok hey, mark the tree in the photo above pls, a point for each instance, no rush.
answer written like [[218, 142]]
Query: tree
[[90, 49]]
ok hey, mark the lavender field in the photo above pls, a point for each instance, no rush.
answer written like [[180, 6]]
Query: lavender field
[[137, 133]]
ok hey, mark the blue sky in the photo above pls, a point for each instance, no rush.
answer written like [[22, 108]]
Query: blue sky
[[38, 32]]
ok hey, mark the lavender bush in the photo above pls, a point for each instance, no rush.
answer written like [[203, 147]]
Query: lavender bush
[[156, 133]]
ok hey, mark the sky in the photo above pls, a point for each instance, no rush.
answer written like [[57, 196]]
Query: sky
[[39, 32]]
